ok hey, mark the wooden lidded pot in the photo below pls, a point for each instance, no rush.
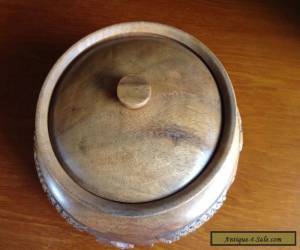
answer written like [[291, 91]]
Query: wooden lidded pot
[[137, 134]]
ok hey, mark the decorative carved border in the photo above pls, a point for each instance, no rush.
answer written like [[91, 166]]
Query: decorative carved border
[[194, 225], [69, 218], [53, 201], [167, 238]]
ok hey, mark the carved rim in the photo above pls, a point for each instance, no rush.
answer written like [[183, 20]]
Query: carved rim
[[168, 238], [50, 164]]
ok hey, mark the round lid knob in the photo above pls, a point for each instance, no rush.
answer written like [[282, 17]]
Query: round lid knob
[[147, 153], [134, 91]]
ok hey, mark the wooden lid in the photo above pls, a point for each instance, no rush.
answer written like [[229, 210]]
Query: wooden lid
[[135, 119]]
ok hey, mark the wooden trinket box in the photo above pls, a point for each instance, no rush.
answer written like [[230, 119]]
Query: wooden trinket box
[[138, 134]]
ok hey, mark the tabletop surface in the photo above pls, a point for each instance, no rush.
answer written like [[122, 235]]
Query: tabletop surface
[[257, 41]]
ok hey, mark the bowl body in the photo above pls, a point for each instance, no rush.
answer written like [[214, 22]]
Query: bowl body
[[125, 224]]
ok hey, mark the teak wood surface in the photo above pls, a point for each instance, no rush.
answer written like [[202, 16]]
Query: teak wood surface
[[141, 155], [257, 41]]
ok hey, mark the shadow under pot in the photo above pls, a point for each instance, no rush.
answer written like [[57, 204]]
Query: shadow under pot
[[137, 134]]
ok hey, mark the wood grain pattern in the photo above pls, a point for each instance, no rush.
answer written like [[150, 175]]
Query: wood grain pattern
[[116, 131], [161, 147], [258, 42]]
